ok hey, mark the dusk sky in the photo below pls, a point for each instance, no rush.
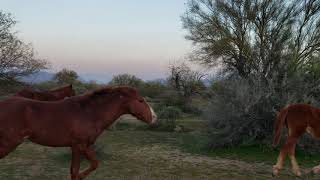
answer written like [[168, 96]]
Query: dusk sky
[[101, 38]]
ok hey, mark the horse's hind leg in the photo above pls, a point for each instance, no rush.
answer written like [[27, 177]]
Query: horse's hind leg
[[280, 162], [316, 169], [288, 148], [91, 156], [291, 151]]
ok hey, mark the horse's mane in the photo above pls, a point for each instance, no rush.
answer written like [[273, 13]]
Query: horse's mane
[[110, 90]]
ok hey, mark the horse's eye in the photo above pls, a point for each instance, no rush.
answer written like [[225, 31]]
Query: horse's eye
[[141, 100]]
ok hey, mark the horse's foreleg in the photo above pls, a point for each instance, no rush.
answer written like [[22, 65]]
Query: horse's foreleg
[[75, 164], [91, 156]]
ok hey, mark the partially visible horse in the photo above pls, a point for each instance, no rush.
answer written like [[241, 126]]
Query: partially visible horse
[[75, 122], [51, 95], [299, 118]]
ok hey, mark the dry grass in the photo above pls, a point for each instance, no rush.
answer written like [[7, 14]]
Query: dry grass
[[137, 155], [130, 155]]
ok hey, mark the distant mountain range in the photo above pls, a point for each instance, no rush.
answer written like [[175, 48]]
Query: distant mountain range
[[39, 77], [43, 76]]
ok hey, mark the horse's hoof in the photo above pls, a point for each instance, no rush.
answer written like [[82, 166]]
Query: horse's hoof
[[273, 175], [275, 171], [310, 172], [298, 175], [315, 170]]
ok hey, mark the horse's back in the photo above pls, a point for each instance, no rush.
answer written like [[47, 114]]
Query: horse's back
[[303, 117], [27, 93]]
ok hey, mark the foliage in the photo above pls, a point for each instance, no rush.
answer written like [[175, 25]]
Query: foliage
[[83, 87], [171, 98], [126, 80], [17, 59], [79, 86], [167, 117], [269, 53], [240, 113], [185, 81], [66, 76], [170, 112], [152, 89], [8, 87], [242, 110], [254, 37]]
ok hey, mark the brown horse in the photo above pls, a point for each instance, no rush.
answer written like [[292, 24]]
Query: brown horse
[[52, 95], [299, 118], [74, 122]]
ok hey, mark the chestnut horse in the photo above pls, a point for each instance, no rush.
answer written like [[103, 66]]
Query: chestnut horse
[[51, 95], [75, 122], [299, 118]]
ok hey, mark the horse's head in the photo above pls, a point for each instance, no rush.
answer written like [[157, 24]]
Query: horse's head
[[136, 105], [68, 90], [62, 92]]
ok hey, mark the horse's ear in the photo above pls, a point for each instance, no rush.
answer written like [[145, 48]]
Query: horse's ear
[[70, 85]]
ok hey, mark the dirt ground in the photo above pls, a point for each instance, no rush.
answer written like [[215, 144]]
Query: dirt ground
[[131, 155]]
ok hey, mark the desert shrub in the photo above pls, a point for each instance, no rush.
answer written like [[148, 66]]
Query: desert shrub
[[47, 85], [66, 76], [170, 112], [243, 111], [167, 117], [126, 80], [189, 105], [152, 89], [83, 87], [172, 98], [10, 87], [79, 86]]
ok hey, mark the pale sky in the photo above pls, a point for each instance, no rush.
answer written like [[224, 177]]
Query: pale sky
[[101, 38]]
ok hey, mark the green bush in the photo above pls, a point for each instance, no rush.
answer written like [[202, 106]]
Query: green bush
[[167, 117], [79, 86], [170, 112], [152, 89], [83, 87], [243, 111]]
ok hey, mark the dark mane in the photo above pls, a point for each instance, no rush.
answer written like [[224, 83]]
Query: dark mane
[[108, 90]]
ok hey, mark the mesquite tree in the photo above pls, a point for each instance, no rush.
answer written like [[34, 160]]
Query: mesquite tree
[[17, 59], [254, 36], [270, 53]]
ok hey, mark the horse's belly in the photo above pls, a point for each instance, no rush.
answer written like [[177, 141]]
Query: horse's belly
[[53, 141], [312, 132]]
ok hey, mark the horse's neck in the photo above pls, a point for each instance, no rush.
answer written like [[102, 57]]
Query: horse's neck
[[106, 112], [57, 92]]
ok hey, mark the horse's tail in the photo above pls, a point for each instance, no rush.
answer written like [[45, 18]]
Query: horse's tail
[[279, 123]]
